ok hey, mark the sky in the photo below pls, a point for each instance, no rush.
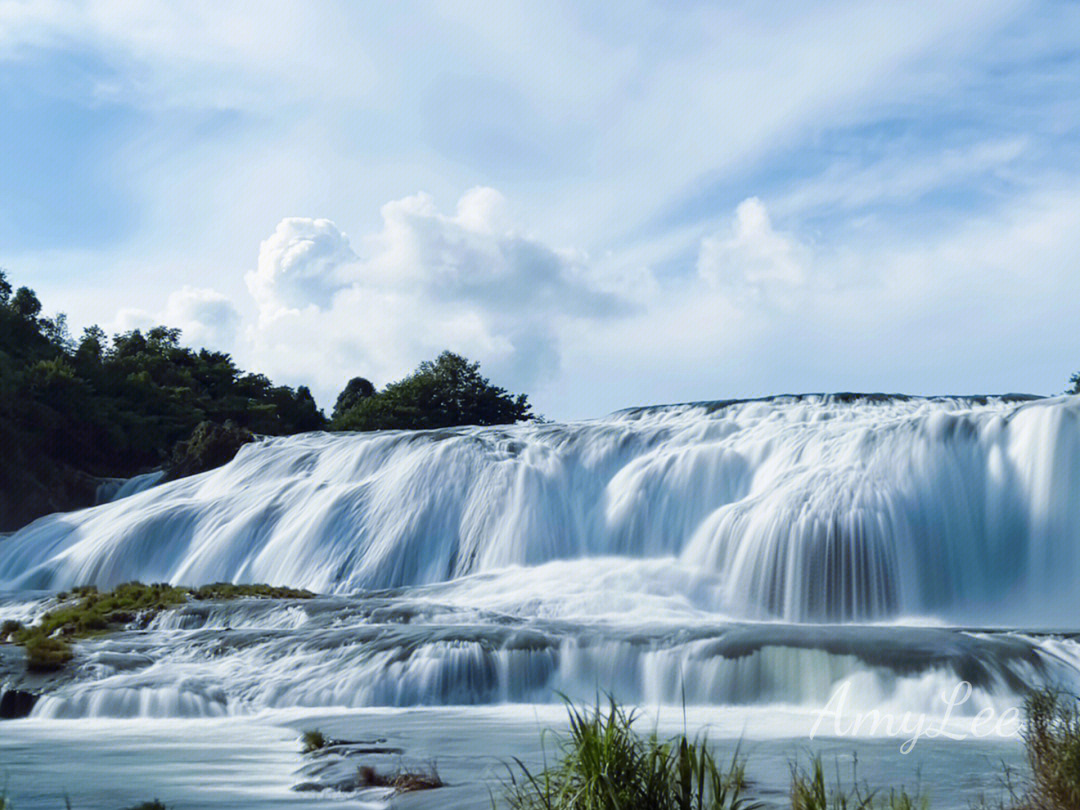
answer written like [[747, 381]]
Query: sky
[[607, 205]]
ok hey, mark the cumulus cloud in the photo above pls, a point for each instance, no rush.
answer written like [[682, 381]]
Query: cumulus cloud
[[761, 302], [300, 264], [752, 256], [205, 317], [466, 281]]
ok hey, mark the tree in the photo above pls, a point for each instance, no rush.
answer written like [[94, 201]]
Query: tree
[[26, 303], [72, 411], [1074, 381], [355, 390], [445, 392]]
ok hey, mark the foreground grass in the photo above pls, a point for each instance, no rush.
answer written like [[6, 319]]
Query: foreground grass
[[1051, 735], [604, 764], [810, 790], [86, 612]]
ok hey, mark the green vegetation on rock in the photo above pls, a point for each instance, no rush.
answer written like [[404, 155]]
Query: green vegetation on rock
[[226, 590], [209, 446], [313, 741], [45, 654], [86, 612]]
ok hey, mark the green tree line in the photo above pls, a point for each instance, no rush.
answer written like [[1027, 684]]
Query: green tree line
[[74, 411]]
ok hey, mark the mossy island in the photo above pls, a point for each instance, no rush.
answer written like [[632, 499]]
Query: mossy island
[[84, 612]]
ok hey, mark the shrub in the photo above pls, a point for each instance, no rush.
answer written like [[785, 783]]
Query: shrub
[[45, 654], [9, 629], [605, 764], [314, 740]]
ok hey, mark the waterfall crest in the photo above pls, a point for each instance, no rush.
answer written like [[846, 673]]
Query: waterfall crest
[[804, 509]]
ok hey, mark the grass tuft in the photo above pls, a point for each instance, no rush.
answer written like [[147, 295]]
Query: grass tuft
[[810, 790], [313, 740], [402, 781], [605, 764], [1051, 735]]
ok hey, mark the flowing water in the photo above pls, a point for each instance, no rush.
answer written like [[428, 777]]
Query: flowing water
[[761, 560]]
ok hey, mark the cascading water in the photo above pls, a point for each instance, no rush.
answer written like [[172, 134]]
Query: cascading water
[[725, 553]]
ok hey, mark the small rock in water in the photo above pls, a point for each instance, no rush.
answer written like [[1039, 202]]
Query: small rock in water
[[15, 703]]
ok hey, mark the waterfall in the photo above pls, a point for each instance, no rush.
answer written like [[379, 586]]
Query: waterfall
[[801, 509]]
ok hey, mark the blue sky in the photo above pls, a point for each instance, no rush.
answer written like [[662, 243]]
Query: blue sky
[[606, 205]]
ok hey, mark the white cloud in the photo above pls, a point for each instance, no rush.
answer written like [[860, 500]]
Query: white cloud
[[901, 176], [427, 281], [302, 264], [752, 257], [205, 317], [763, 303], [976, 309]]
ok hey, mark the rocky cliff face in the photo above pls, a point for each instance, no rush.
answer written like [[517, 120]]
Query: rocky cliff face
[[27, 495]]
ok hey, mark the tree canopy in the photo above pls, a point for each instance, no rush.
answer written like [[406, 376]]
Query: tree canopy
[[75, 411], [356, 389], [72, 411], [445, 392]]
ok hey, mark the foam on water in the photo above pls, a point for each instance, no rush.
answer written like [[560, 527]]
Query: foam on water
[[208, 659]]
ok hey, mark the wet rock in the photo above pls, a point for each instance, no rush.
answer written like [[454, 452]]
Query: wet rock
[[15, 703]]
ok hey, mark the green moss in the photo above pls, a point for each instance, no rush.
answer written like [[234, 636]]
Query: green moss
[[226, 590], [87, 612]]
